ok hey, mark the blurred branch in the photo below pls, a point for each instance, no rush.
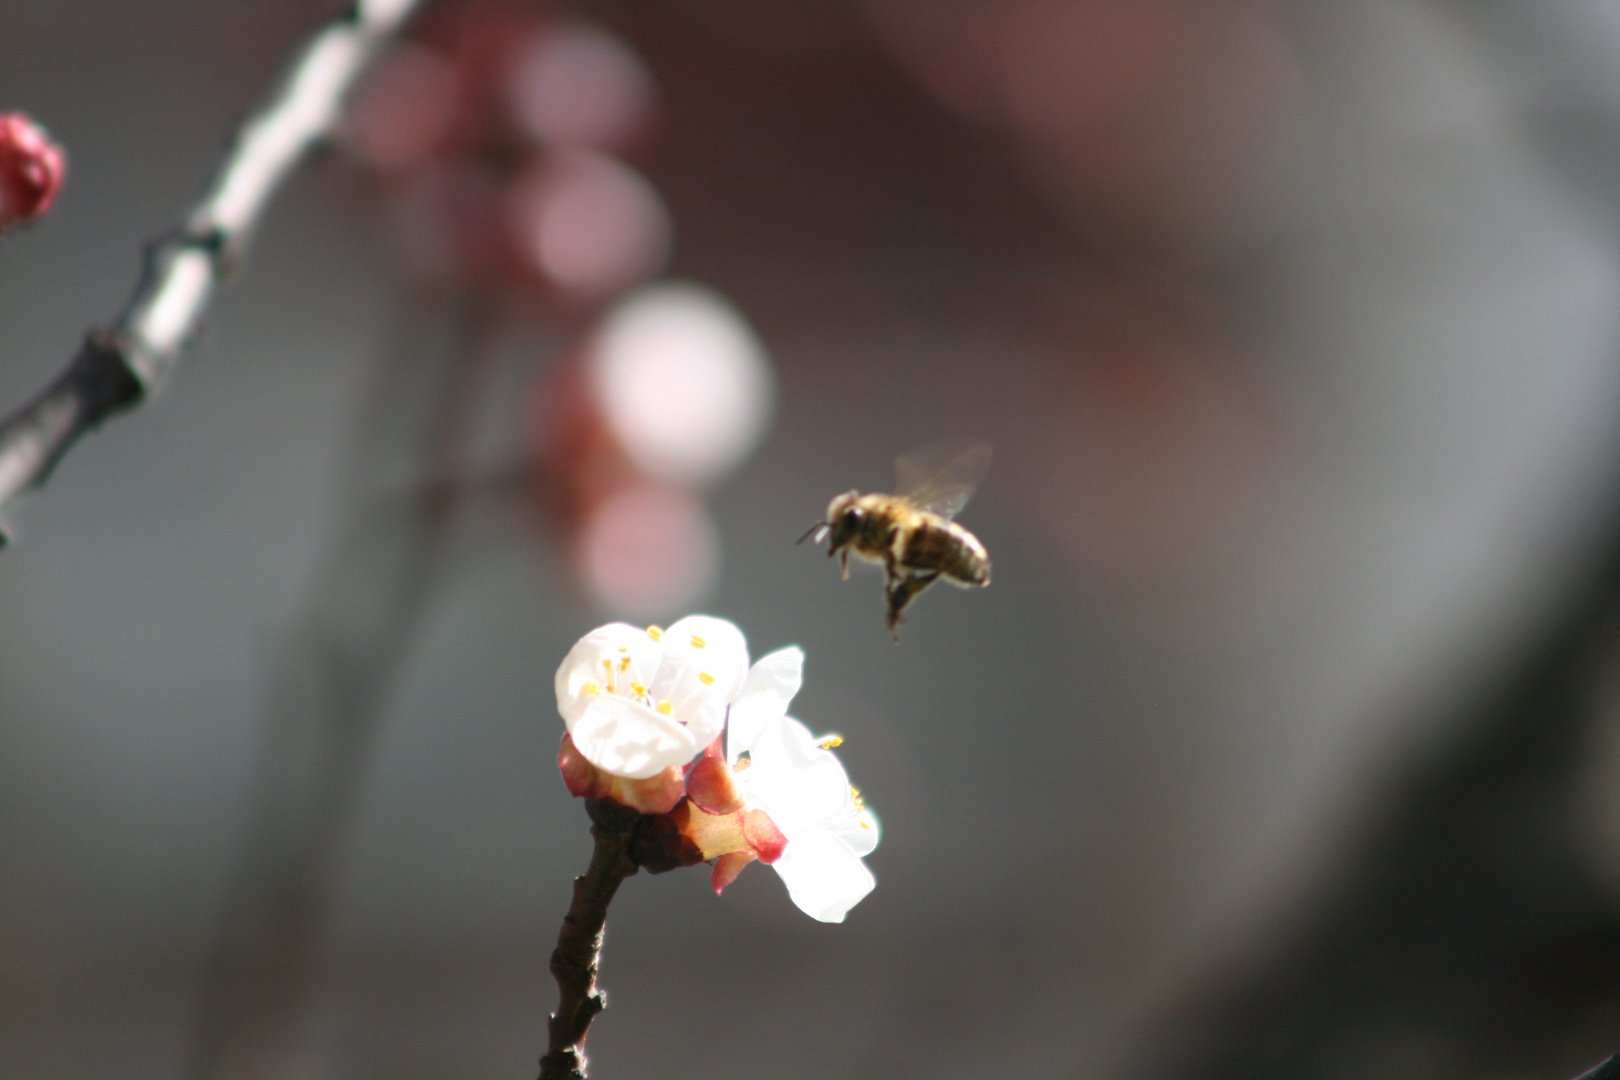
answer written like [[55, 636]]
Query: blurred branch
[[328, 690], [120, 364], [579, 943]]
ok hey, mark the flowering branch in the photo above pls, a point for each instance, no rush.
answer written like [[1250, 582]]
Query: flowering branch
[[579, 944], [121, 363], [684, 753]]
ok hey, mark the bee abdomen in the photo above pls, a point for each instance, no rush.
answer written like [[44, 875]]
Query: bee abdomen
[[949, 549]]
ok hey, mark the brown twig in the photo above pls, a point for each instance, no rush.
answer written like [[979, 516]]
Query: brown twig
[[579, 944]]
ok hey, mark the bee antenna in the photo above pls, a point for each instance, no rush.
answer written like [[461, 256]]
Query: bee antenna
[[816, 528]]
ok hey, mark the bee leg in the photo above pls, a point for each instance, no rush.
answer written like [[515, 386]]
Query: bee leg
[[845, 554], [901, 591]]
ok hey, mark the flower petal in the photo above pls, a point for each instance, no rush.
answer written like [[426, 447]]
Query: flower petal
[[710, 646], [625, 738], [764, 697], [790, 777], [823, 876], [860, 830], [582, 677]]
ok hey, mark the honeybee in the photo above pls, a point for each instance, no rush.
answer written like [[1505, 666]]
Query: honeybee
[[911, 535]]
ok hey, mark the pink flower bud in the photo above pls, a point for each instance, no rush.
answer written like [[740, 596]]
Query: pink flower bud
[[31, 170]]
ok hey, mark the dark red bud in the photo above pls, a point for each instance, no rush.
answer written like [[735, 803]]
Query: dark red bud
[[31, 169]]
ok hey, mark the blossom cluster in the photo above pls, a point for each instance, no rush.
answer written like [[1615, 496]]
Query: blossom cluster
[[678, 725]]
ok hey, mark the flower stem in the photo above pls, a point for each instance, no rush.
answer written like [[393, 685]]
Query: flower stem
[[579, 944]]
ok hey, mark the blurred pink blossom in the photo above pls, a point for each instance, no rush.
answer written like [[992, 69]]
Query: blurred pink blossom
[[31, 169]]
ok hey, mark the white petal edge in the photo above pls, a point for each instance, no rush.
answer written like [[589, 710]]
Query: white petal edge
[[823, 876], [770, 686], [860, 830]]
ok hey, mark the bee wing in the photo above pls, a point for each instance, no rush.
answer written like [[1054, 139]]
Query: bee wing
[[941, 477]]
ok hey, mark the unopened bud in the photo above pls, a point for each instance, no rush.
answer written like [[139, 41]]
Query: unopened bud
[[31, 170]]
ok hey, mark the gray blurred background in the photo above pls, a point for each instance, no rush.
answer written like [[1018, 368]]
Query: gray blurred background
[[1295, 327]]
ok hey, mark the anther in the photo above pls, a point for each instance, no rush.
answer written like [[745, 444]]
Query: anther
[[697, 642], [655, 632], [665, 707], [705, 678], [831, 741], [591, 689]]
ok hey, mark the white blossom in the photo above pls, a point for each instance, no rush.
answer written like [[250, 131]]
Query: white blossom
[[794, 776], [637, 701]]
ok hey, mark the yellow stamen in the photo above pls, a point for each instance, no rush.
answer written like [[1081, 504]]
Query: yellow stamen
[[655, 632], [742, 763], [665, 707], [866, 824], [697, 642], [855, 796], [705, 678], [624, 648], [831, 741], [607, 665], [591, 689], [624, 663], [638, 690]]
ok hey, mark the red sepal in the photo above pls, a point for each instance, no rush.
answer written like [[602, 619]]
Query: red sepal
[[711, 783], [656, 794], [727, 867], [763, 836]]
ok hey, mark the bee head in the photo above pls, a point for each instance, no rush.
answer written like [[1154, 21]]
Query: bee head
[[844, 520]]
